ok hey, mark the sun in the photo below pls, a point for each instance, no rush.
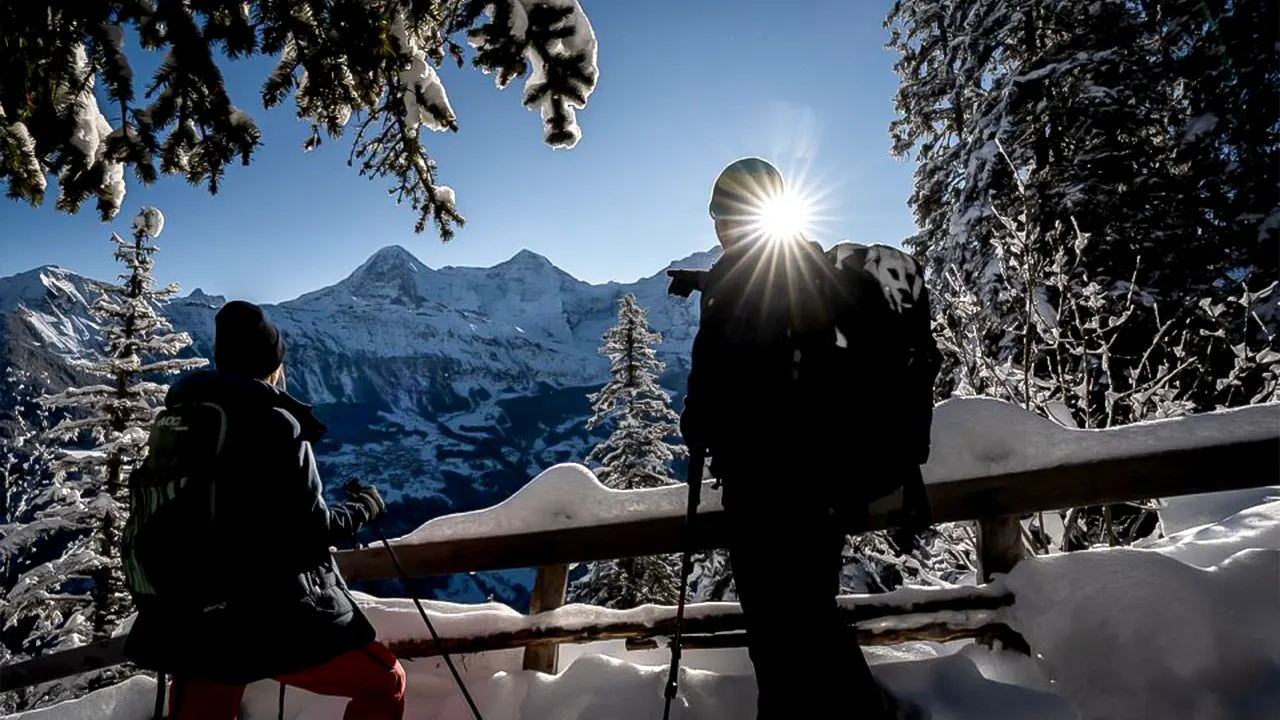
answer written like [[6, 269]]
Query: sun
[[785, 216]]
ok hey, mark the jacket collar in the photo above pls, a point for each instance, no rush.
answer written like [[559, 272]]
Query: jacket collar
[[237, 390]]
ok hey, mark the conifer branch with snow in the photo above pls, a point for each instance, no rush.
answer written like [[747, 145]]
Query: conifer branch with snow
[[85, 500], [376, 61]]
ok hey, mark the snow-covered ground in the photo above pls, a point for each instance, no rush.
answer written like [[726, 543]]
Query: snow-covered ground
[[1186, 627]]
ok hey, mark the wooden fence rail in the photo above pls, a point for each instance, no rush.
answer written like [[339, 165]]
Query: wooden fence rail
[[1136, 477], [883, 619], [991, 500], [888, 618]]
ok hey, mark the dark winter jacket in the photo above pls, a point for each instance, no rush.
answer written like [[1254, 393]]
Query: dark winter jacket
[[750, 397], [288, 607], [825, 398]]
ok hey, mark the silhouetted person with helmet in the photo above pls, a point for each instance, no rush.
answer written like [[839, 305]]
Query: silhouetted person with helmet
[[761, 403]]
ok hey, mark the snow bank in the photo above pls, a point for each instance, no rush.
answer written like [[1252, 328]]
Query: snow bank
[[976, 436], [1190, 511], [1133, 634], [1209, 545], [133, 699]]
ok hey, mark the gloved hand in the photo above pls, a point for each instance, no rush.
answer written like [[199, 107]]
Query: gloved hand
[[367, 498], [684, 282]]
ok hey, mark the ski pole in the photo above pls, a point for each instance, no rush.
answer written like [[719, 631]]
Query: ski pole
[[162, 680], [404, 577], [697, 458]]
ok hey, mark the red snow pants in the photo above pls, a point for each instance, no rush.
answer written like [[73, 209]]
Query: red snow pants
[[371, 676]]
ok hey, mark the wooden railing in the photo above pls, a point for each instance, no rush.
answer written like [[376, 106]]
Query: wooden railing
[[993, 497], [995, 501]]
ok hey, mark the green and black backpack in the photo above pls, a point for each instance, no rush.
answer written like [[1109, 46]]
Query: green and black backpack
[[170, 547]]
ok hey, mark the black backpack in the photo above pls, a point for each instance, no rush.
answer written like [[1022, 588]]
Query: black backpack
[[170, 545], [899, 358]]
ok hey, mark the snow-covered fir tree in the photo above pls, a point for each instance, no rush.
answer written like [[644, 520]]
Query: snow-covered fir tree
[[639, 452], [1095, 192], [26, 471], [1057, 147], [370, 64], [636, 455], [79, 596], [24, 456]]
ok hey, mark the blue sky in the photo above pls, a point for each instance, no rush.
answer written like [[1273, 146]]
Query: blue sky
[[686, 86]]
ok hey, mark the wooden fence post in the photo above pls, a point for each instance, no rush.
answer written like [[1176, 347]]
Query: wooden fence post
[[548, 594], [1000, 547]]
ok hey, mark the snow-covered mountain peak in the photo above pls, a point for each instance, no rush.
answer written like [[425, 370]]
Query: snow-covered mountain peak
[[525, 260], [390, 261], [200, 297], [526, 268], [45, 283], [392, 255], [391, 275]]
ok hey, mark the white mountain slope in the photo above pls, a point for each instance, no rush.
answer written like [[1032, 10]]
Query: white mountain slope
[[449, 388]]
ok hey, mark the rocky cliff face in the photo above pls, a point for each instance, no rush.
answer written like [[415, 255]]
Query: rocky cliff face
[[448, 388]]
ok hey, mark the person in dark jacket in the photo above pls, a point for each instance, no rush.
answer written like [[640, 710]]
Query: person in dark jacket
[[762, 405], [286, 613]]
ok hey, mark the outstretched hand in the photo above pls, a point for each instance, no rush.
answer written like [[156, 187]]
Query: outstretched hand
[[684, 282], [367, 498]]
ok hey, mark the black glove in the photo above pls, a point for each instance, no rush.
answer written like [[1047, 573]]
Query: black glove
[[366, 497], [684, 282]]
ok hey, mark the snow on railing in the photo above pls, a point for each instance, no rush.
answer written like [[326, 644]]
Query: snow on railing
[[907, 614], [973, 437], [978, 436]]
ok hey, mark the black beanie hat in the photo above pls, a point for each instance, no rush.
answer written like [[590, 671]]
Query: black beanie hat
[[245, 341]]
